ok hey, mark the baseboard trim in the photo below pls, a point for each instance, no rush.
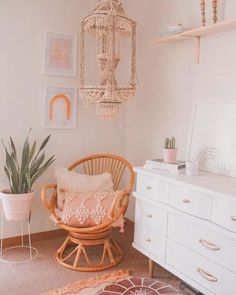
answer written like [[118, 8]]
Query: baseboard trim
[[52, 234], [37, 237]]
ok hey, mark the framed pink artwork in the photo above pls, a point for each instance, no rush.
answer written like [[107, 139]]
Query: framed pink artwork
[[60, 107], [60, 54]]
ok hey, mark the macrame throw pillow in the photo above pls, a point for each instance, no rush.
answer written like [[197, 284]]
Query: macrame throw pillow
[[85, 209], [71, 181]]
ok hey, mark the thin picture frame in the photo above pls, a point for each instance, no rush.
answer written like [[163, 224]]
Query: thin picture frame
[[60, 54], [60, 107], [212, 139]]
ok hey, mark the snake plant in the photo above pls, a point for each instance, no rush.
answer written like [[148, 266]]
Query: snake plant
[[22, 173]]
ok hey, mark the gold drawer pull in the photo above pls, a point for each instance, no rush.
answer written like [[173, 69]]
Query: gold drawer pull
[[149, 215], [148, 240], [209, 245], [207, 276], [186, 201], [233, 218], [148, 187]]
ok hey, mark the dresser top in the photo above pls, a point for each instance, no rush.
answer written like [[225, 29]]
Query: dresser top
[[218, 184]]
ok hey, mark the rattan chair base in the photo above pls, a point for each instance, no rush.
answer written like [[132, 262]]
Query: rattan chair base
[[74, 253]]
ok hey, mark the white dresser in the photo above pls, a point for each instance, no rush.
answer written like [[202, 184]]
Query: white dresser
[[188, 226]]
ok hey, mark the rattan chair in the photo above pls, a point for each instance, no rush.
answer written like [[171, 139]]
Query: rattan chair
[[78, 250]]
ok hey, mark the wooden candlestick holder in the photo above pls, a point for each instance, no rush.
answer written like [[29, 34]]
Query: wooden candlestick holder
[[203, 10], [214, 9]]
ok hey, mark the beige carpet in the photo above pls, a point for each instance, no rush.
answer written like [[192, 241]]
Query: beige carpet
[[44, 274]]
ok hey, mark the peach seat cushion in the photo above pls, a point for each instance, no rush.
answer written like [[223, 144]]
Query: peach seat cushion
[[85, 200]]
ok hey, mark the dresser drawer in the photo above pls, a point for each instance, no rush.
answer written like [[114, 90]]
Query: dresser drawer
[[150, 241], [152, 187], [208, 274], [150, 216], [224, 213], [190, 201], [206, 242]]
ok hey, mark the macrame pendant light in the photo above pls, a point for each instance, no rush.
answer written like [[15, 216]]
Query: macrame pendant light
[[108, 24]]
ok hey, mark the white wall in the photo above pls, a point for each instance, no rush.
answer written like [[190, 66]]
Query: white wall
[[170, 81], [22, 27]]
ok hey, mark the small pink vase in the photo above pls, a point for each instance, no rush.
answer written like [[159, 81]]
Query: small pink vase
[[170, 155]]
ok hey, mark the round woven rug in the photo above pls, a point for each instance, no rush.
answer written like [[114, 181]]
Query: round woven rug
[[138, 286]]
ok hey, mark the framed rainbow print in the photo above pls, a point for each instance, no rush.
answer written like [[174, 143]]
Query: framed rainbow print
[[60, 107], [60, 51]]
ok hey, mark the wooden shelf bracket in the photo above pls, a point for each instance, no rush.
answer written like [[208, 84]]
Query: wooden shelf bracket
[[197, 49]]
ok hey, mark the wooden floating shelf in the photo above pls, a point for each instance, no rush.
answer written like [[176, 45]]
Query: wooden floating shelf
[[170, 39], [199, 32]]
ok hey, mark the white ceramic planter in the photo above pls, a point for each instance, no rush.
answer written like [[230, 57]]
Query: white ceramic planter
[[16, 206], [169, 155]]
